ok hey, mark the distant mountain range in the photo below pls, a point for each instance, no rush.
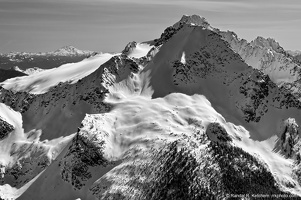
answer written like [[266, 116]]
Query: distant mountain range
[[46, 60], [295, 54], [22, 63]]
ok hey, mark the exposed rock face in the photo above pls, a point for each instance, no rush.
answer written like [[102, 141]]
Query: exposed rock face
[[289, 137], [31, 160], [129, 47], [214, 62], [256, 89], [5, 129], [216, 133], [290, 145], [298, 57], [85, 151], [269, 57], [165, 36], [192, 20], [267, 43]]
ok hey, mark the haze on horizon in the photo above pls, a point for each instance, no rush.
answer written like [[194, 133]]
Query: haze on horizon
[[108, 25]]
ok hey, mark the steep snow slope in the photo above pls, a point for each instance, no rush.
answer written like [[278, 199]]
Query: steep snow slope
[[41, 82], [50, 116], [137, 50], [241, 94], [59, 111], [127, 139], [22, 155]]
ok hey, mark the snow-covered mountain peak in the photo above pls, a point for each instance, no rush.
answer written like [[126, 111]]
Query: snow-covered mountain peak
[[192, 20], [267, 43], [194, 112], [266, 55], [67, 48], [71, 50], [294, 53], [186, 20], [129, 47]]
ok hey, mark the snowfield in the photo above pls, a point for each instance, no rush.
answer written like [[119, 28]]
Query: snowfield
[[141, 122], [41, 82], [140, 50]]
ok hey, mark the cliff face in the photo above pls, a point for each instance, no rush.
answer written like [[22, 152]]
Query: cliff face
[[269, 57], [5, 129], [29, 161], [289, 137], [86, 151], [212, 68]]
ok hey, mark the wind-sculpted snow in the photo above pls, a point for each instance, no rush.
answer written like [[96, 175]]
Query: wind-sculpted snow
[[60, 111], [41, 82], [42, 119], [143, 147], [180, 117], [137, 50], [22, 155]]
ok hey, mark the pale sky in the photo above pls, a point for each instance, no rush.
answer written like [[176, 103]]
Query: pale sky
[[108, 25]]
